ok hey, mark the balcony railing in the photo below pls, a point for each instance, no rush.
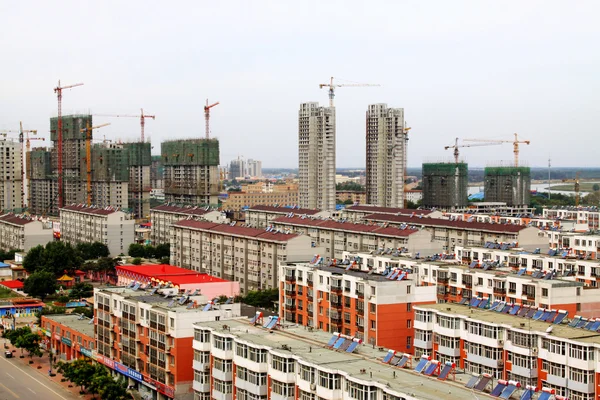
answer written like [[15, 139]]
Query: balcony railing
[[290, 293], [360, 294], [290, 278], [290, 307], [499, 290]]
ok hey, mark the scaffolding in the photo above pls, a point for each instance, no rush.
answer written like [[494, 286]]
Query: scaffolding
[[445, 185], [510, 185], [140, 160], [191, 171]]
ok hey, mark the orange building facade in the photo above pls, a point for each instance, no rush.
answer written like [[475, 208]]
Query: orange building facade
[[68, 336], [370, 307]]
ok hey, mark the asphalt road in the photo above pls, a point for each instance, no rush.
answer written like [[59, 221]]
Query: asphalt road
[[19, 381]]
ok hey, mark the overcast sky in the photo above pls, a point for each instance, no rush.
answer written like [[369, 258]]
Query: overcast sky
[[469, 69]]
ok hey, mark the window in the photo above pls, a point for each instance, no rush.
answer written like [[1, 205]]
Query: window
[[172, 323], [329, 381], [544, 292], [581, 352], [373, 325], [521, 339], [202, 356], [222, 386], [202, 377], [222, 343], [408, 289], [283, 389], [222, 365], [361, 392], [408, 307], [408, 323], [423, 335], [554, 346], [408, 341], [580, 375], [255, 378], [475, 328], [423, 316], [257, 355], [202, 336], [372, 307], [307, 373], [283, 364], [447, 322]]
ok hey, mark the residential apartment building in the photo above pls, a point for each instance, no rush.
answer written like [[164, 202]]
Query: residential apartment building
[[12, 196], [413, 196], [460, 233], [82, 224], [348, 299], [246, 255], [22, 232], [523, 219], [342, 196], [335, 237], [386, 155], [148, 337], [237, 201], [68, 336], [262, 216], [542, 353], [237, 169], [237, 360], [357, 213], [254, 168], [269, 187], [585, 215], [163, 216], [316, 156], [581, 245], [140, 162]]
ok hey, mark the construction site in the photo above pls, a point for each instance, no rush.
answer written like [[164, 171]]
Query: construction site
[[510, 185], [445, 185], [191, 171]]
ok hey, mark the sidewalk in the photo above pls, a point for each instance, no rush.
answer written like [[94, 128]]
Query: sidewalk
[[44, 364]]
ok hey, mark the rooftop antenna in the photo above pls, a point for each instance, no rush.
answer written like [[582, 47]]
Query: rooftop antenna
[[549, 165]]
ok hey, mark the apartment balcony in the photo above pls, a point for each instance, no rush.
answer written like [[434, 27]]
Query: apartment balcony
[[290, 307], [360, 294], [201, 387], [290, 278], [309, 297], [200, 366], [336, 305], [309, 282], [499, 291], [337, 290], [216, 395], [275, 396], [443, 279], [530, 296], [524, 372], [467, 284], [360, 311], [290, 293], [258, 390], [222, 375], [310, 312]]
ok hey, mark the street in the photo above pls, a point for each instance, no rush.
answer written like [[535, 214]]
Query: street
[[20, 381]]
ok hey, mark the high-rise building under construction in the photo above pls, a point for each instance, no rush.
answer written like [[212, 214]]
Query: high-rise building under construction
[[445, 185], [140, 161], [510, 185], [386, 156], [316, 156], [191, 171]]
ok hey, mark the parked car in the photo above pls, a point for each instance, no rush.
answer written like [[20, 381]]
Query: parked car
[[8, 354]]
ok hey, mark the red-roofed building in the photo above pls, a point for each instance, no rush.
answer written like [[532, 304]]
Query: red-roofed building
[[359, 212], [18, 285], [335, 237], [237, 253], [23, 232], [260, 216], [185, 279], [163, 216]]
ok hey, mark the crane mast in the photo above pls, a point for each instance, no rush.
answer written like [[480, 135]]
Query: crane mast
[[207, 108], [456, 146], [332, 87], [88, 157]]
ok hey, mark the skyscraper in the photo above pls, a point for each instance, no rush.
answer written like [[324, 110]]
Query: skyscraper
[[316, 156], [254, 168], [386, 156]]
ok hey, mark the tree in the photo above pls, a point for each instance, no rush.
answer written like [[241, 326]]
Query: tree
[[165, 260], [136, 261], [8, 255], [136, 250], [350, 186], [81, 290], [596, 187], [106, 266], [162, 250], [100, 250], [111, 389], [261, 298], [87, 311], [40, 284], [81, 372], [150, 251], [14, 334], [34, 259], [30, 342]]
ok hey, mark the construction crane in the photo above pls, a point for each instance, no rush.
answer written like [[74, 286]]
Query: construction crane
[[142, 118], [24, 139], [576, 187], [332, 87], [456, 146], [514, 142], [58, 90], [207, 116], [88, 157]]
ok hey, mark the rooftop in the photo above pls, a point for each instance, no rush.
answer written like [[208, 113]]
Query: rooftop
[[74, 322], [15, 219], [365, 364], [181, 210], [169, 273], [492, 317], [389, 210], [444, 223], [346, 226], [229, 229], [284, 210], [90, 210], [12, 284]]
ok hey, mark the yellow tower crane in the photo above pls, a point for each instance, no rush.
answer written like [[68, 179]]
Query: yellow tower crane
[[576, 187], [514, 142], [332, 87], [88, 157], [456, 146]]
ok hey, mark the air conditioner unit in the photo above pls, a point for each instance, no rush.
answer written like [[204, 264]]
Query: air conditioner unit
[[534, 351], [500, 363], [313, 386], [501, 342]]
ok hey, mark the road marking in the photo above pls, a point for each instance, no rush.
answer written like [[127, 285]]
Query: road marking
[[9, 391], [31, 376], [10, 375], [31, 390]]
